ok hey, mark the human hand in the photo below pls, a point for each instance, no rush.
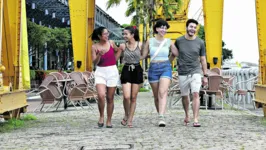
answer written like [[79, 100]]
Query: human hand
[[101, 52], [205, 81]]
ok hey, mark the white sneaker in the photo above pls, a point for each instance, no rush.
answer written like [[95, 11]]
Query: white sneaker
[[162, 123]]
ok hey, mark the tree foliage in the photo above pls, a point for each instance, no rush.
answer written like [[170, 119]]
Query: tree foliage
[[143, 11], [56, 39]]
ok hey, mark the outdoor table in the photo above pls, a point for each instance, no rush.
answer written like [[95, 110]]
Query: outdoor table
[[64, 81]]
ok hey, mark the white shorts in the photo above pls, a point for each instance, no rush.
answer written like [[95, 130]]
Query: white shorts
[[189, 82], [107, 75]]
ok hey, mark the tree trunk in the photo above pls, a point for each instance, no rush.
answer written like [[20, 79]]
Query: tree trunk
[[151, 17]]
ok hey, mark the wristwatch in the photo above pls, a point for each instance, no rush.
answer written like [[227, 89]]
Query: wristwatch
[[206, 75]]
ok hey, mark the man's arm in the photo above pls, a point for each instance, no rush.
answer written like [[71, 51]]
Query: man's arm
[[203, 57], [204, 64]]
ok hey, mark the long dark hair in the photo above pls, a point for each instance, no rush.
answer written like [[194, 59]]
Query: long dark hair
[[96, 33], [133, 30]]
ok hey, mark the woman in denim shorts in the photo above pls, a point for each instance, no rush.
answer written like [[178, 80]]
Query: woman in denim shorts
[[160, 71]]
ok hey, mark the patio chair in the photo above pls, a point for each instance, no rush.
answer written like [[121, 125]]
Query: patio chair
[[50, 92], [213, 89]]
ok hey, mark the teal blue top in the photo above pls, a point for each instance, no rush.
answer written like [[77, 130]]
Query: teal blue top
[[164, 51]]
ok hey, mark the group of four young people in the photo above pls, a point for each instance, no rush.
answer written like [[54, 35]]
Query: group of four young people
[[189, 49]]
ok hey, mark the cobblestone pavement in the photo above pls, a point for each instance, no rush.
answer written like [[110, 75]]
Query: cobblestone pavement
[[77, 129]]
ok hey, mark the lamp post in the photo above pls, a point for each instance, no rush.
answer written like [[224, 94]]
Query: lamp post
[[45, 57]]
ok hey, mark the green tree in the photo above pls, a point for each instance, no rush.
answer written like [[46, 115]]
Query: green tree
[[56, 39], [125, 25], [139, 9], [227, 53]]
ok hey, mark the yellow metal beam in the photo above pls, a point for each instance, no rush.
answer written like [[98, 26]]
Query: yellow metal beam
[[7, 47], [82, 23], [261, 24], [91, 14], [260, 89], [24, 56], [14, 10], [213, 23], [2, 68], [15, 99], [9, 102]]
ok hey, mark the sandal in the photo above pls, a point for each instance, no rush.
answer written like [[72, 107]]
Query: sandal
[[130, 126], [196, 124], [100, 124], [186, 122], [124, 122]]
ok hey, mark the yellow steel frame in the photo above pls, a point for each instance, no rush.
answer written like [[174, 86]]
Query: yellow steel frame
[[24, 54], [213, 21], [82, 25], [2, 68], [13, 57], [9, 102], [261, 27]]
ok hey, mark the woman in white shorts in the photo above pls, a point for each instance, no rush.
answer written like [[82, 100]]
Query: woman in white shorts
[[106, 74]]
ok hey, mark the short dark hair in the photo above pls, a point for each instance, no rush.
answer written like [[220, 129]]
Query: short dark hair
[[96, 33], [160, 23], [191, 21], [133, 30]]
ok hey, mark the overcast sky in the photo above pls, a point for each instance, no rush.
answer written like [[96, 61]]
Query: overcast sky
[[239, 25]]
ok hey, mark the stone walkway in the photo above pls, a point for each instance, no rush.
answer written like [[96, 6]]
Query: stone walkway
[[77, 129]]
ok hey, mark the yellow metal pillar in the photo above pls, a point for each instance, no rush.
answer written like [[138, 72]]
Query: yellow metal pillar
[[11, 40], [2, 68], [7, 48], [12, 97], [82, 24], [24, 55], [213, 23], [261, 28], [91, 14]]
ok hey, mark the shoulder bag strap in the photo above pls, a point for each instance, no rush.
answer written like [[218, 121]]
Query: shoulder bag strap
[[158, 49]]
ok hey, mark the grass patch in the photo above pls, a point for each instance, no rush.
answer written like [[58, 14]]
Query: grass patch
[[14, 124], [143, 90], [263, 121], [29, 117]]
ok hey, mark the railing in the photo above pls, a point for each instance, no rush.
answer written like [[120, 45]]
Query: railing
[[244, 79]]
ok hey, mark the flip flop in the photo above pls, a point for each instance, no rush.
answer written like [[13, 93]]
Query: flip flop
[[186, 122], [109, 126], [196, 124], [100, 124], [124, 122], [130, 126]]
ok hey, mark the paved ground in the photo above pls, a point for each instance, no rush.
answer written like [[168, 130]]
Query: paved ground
[[77, 129]]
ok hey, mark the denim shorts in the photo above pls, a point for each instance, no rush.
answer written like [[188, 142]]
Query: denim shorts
[[159, 70]]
